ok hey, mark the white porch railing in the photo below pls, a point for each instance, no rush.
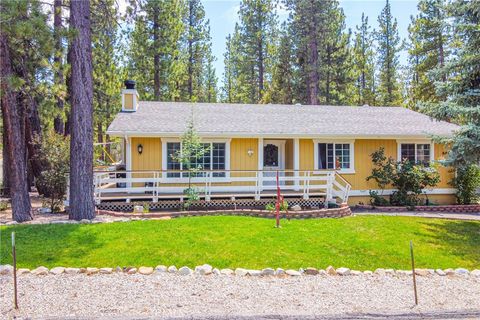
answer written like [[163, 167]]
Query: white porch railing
[[155, 185]]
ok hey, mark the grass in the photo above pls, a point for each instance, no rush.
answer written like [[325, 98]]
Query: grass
[[361, 243]]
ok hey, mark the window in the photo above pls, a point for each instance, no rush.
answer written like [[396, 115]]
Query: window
[[330, 155], [215, 158], [416, 152]]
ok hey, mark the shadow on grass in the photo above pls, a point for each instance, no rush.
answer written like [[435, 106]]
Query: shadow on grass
[[459, 238], [48, 245]]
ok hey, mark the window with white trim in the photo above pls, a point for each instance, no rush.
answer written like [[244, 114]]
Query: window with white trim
[[334, 156], [416, 152], [214, 158]]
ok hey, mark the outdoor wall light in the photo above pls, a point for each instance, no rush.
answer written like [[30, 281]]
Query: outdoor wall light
[[250, 152], [140, 149]]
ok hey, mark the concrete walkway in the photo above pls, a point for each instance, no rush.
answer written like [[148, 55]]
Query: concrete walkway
[[437, 215]]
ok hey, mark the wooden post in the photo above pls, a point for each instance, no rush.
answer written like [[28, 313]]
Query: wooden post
[[15, 295], [413, 273], [277, 205]]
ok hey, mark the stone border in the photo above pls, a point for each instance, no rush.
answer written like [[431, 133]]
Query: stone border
[[459, 208], [342, 211], [206, 269]]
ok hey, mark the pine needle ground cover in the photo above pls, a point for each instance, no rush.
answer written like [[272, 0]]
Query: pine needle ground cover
[[229, 242]]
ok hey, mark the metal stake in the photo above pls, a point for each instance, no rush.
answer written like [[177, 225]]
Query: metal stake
[[413, 273], [15, 297]]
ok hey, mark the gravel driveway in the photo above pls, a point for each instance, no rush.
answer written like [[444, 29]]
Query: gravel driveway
[[219, 297]]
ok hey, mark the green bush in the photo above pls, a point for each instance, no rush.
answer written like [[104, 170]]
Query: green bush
[[54, 152], [271, 206], [408, 178], [467, 181], [377, 200]]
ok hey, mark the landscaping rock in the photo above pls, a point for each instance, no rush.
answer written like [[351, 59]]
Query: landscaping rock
[[118, 269], [138, 209], [462, 271], [83, 270], [92, 271], [279, 272], [172, 269], [475, 273], [72, 270], [403, 272], [6, 269], [254, 273], [343, 271], [368, 272], [449, 272], [331, 271], [227, 272], [296, 208], [355, 272], [106, 270], [22, 271], [268, 272], [132, 271], [311, 271], [204, 270], [161, 268], [380, 271], [215, 271], [185, 271], [322, 272], [241, 272], [40, 271], [440, 272], [57, 270], [85, 221], [422, 272], [145, 270], [431, 271], [293, 273]]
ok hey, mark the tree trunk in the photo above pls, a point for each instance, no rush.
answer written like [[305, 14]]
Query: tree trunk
[[81, 141], [58, 123], [6, 162], [14, 119], [156, 55], [33, 139]]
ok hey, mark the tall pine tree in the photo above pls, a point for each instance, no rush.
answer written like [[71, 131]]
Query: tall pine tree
[[388, 49]]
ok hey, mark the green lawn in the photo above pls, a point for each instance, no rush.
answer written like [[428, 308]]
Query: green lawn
[[354, 242]]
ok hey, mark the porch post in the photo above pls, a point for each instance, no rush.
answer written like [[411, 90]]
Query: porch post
[[296, 163], [260, 165], [128, 164]]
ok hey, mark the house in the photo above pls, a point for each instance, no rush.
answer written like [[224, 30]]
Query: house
[[317, 151]]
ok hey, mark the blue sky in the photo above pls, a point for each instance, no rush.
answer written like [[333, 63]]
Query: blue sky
[[223, 15]]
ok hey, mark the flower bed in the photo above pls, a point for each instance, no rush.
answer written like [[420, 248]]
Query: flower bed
[[343, 211], [464, 208]]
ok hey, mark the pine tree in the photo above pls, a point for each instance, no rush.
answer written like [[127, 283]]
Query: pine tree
[[323, 52], [459, 81], [210, 84], [389, 46], [257, 33], [155, 57], [81, 95], [107, 74], [233, 90], [364, 64], [282, 88], [428, 49]]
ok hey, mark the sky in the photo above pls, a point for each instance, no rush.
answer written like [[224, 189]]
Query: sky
[[223, 15]]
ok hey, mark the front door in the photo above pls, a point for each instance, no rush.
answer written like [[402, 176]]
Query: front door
[[273, 159]]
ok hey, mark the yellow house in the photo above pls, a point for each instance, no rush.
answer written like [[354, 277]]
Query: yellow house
[[317, 151]]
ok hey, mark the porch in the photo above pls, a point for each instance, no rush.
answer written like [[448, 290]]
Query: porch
[[220, 184]]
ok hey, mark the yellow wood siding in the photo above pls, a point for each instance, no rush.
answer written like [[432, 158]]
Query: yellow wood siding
[[446, 174], [306, 154], [128, 101], [239, 158], [150, 159]]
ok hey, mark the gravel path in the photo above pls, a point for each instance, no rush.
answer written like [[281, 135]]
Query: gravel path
[[218, 297], [436, 215]]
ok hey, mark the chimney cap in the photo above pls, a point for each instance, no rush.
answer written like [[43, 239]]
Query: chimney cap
[[130, 84]]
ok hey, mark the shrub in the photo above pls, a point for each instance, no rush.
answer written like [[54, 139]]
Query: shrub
[[408, 178], [467, 181], [54, 152], [271, 206], [377, 200]]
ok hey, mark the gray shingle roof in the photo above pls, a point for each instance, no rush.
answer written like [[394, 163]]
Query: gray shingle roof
[[223, 120]]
